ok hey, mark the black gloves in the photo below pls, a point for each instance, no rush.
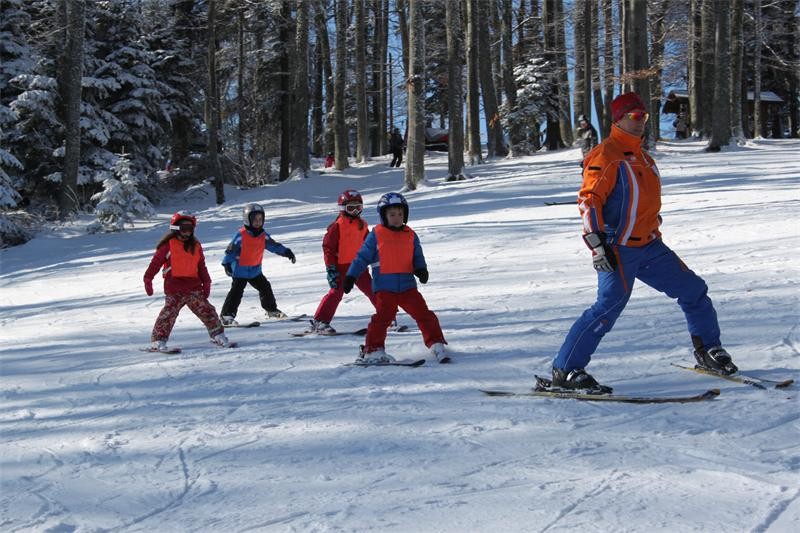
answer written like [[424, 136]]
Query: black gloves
[[603, 257], [228, 269], [333, 276], [349, 282], [422, 274], [289, 255]]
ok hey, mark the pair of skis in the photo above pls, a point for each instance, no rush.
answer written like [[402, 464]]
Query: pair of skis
[[175, 350], [544, 389]]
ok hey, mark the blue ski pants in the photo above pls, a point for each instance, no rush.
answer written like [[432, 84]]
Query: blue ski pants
[[657, 266]]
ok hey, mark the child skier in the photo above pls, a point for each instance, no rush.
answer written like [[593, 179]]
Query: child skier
[[186, 282], [242, 262], [395, 253], [339, 246]]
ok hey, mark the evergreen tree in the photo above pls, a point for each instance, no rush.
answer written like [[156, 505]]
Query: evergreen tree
[[120, 201], [536, 99]]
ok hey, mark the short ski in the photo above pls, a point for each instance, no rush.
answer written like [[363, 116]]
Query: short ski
[[759, 383], [243, 325], [561, 203], [708, 395], [401, 362], [167, 351], [359, 332]]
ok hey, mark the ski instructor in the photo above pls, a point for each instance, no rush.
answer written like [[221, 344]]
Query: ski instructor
[[619, 202]]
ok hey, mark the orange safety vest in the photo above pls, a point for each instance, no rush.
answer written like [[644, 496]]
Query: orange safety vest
[[351, 236], [183, 264], [395, 250], [252, 251]]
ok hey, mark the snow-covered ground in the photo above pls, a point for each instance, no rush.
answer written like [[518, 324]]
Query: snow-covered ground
[[277, 435]]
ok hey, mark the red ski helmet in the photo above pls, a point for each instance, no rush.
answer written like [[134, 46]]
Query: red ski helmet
[[350, 196], [180, 216]]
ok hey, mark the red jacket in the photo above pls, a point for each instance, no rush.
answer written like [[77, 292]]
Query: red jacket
[[178, 285], [337, 252]]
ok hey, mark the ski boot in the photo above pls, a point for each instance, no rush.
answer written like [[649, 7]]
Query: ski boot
[[276, 314], [715, 359], [438, 351], [577, 380], [374, 357], [229, 321]]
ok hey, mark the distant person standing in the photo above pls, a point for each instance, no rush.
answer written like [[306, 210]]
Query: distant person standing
[[680, 126], [585, 135], [396, 145]]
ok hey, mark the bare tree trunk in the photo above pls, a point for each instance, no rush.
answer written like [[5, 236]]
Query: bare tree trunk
[[707, 46], [758, 38], [695, 74], [70, 89], [657, 40], [597, 88], [339, 125], [580, 71], [509, 85], [554, 129], [362, 130], [317, 129], [565, 123], [212, 106], [737, 54], [473, 106], [587, 57], [637, 17], [721, 127], [493, 129], [379, 127], [415, 85], [286, 82], [608, 64], [240, 96], [403, 25], [455, 102], [321, 25], [300, 161]]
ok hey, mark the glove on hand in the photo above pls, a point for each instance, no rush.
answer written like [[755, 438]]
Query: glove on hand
[[228, 270], [333, 276], [148, 286], [349, 282], [289, 255], [422, 274], [603, 257]]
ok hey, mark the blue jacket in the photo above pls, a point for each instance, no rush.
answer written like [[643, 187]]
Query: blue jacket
[[368, 255], [235, 247]]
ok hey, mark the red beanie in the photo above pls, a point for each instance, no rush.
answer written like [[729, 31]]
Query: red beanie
[[626, 103]]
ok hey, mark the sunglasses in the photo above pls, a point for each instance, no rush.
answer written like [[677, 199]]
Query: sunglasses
[[354, 209], [638, 115]]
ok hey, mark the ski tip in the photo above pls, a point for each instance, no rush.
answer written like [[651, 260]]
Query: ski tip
[[711, 393], [784, 384]]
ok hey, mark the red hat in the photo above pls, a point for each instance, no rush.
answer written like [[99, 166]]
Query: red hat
[[626, 103]]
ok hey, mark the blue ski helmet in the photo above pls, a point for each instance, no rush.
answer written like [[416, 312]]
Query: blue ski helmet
[[389, 199]]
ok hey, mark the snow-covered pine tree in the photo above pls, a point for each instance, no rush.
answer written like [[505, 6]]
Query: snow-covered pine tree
[[120, 201], [534, 100]]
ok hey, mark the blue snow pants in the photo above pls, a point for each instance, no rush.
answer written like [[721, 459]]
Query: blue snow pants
[[657, 266]]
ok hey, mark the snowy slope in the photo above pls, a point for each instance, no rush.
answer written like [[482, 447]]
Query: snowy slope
[[278, 436]]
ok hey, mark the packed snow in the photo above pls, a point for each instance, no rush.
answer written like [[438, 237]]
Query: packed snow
[[278, 435]]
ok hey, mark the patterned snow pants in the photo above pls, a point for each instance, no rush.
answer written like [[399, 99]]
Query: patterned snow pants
[[197, 303]]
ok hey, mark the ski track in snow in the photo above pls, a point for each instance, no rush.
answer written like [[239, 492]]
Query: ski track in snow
[[277, 435]]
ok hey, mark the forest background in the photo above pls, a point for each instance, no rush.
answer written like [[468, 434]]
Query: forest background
[[105, 106]]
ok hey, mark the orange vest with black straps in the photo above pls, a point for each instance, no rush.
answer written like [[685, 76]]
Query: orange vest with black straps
[[183, 264], [395, 250], [252, 251], [351, 236]]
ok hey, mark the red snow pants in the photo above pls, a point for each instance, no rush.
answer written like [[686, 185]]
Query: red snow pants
[[412, 302], [197, 303], [330, 302]]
